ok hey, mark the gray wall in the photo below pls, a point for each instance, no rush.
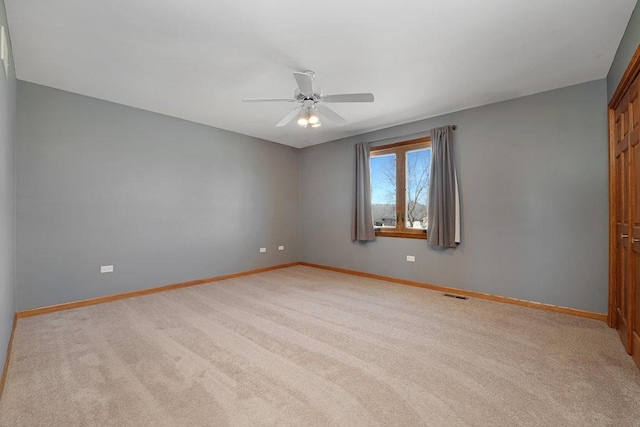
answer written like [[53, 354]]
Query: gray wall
[[162, 199], [533, 182], [627, 48], [7, 201]]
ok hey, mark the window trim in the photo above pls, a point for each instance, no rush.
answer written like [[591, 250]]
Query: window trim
[[400, 149]]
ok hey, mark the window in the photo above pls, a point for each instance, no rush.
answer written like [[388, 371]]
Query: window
[[399, 188]]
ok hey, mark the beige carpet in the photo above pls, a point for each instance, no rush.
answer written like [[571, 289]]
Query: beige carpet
[[302, 346]]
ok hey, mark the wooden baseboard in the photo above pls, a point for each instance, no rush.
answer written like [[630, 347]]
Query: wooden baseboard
[[108, 298], [473, 294], [6, 360]]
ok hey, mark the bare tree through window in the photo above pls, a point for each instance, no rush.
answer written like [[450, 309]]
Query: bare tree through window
[[401, 207], [418, 168]]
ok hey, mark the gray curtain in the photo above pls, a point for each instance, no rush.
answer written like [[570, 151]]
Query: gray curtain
[[443, 227], [362, 221]]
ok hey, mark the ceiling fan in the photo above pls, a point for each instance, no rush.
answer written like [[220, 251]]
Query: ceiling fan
[[312, 103]]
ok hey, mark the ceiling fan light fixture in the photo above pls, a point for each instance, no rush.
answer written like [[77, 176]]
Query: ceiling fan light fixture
[[313, 117], [316, 125], [303, 118]]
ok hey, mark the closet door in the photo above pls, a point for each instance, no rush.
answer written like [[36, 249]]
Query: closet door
[[622, 206], [634, 253]]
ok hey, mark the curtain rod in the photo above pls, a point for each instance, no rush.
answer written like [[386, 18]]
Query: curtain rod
[[407, 136]]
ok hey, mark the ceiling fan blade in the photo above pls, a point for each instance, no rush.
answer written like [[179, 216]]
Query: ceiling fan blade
[[331, 115], [292, 115], [304, 83], [349, 97], [268, 100]]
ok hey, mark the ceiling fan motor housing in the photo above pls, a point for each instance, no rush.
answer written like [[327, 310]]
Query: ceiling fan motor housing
[[300, 97]]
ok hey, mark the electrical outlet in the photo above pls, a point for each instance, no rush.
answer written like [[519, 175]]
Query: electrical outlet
[[281, 248], [411, 258], [263, 250], [106, 269]]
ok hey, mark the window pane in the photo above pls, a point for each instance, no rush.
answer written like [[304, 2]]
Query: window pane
[[417, 170], [383, 190]]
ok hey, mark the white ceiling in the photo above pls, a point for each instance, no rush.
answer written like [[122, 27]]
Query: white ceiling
[[196, 59]]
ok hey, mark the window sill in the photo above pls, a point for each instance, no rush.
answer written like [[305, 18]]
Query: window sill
[[406, 235]]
